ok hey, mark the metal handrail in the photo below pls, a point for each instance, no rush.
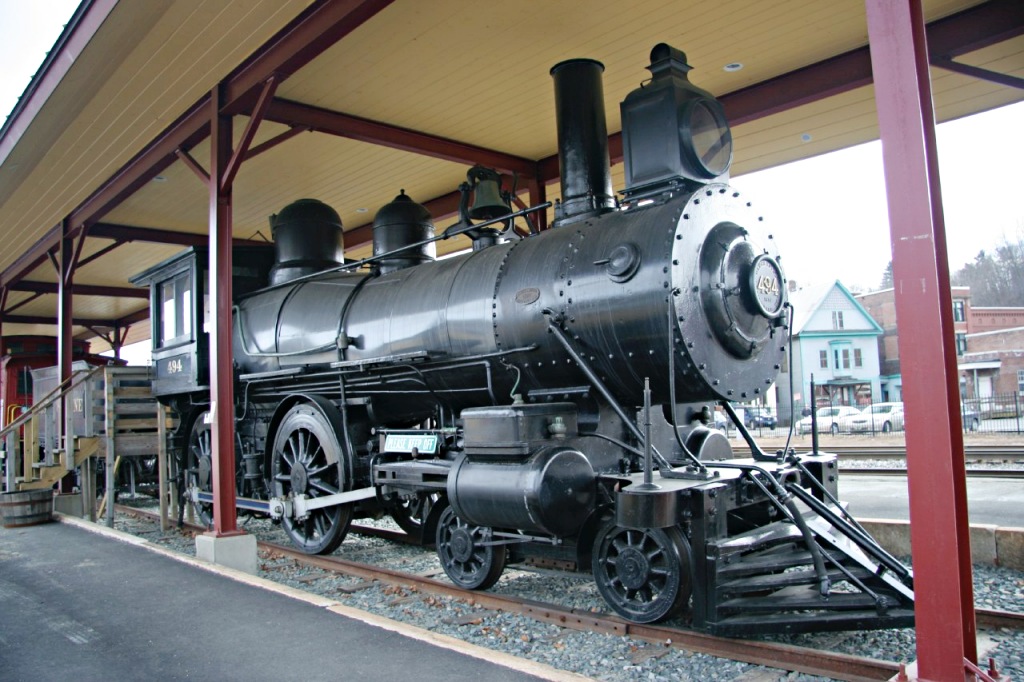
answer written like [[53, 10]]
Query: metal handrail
[[57, 393]]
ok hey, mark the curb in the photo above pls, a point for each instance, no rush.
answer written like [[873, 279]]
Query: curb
[[997, 545]]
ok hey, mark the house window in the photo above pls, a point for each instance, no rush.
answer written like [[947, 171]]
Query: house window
[[823, 359], [1020, 381], [959, 311], [858, 359], [837, 319], [846, 358], [961, 344]]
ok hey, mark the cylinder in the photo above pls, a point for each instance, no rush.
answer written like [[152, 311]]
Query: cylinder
[[582, 140], [552, 492], [26, 508]]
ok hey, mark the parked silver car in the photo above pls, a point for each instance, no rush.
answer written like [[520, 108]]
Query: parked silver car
[[828, 419], [884, 417]]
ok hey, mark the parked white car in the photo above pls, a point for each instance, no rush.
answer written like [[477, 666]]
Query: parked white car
[[883, 417], [828, 419]]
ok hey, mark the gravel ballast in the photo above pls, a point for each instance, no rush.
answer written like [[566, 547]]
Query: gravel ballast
[[602, 657]]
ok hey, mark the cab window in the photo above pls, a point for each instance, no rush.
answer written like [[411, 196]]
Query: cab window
[[176, 310]]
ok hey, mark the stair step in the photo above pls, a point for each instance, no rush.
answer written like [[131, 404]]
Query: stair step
[[760, 538], [764, 563], [805, 598], [774, 581], [788, 623]]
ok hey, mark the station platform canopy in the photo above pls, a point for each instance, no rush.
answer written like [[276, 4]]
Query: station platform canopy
[[371, 97]]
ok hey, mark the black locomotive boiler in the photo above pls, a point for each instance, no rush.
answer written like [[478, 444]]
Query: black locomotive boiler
[[546, 396]]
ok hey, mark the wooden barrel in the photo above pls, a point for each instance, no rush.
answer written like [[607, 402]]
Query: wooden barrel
[[26, 508]]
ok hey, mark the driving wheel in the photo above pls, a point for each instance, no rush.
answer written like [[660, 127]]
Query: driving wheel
[[198, 466], [307, 461]]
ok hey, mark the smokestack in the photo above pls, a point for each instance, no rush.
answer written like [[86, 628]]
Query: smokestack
[[582, 140]]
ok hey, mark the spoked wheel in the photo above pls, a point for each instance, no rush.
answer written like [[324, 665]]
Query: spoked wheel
[[644, 575], [198, 466], [415, 513], [469, 563], [307, 461]]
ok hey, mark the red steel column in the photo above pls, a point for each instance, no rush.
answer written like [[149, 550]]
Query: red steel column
[[222, 398], [939, 529]]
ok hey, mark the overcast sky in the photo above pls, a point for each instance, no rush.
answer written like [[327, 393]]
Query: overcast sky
[[827, 213]]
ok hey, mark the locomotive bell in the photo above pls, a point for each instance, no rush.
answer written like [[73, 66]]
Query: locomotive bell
[[487, 201]]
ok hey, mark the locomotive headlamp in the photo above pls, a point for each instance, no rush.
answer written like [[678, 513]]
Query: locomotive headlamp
[[673, 133], [707, 140]]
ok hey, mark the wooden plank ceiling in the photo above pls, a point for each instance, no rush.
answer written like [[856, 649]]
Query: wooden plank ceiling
[[453, 69]]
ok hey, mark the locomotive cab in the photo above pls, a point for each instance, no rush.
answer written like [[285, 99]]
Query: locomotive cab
[[180, 311]]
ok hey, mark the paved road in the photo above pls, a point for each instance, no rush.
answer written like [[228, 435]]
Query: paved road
[[995, 501]]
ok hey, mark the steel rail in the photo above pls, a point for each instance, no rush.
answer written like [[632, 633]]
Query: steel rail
[[980, 452], [994, 618], [971, 473]]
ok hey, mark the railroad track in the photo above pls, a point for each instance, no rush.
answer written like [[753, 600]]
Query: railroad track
[[971, 452], [783, 656], [895, 471]]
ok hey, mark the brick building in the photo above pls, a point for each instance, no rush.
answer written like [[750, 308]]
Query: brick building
[[989, 345]]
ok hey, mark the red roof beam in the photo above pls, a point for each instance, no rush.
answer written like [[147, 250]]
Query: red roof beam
[[81, 290], [374, 132], [127, 233]]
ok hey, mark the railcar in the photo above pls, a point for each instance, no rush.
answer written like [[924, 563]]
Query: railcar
[[548, 395]]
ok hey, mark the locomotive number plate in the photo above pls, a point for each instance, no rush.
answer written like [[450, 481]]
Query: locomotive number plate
[[174, 366], [406, 442]]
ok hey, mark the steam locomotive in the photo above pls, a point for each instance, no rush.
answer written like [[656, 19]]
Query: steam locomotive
[[547, 396]]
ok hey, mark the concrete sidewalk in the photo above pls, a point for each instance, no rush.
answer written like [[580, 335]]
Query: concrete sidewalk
[[76, 605]]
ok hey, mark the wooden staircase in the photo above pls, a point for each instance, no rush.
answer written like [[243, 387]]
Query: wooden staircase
[[108, 415], [46, 476]]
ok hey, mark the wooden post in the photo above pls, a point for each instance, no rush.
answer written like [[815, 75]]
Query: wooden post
[[108, 435]]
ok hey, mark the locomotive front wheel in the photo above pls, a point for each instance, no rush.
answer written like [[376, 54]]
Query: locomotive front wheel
[[644, 575], [468, 563], [415, 514], [307, 461], [198, 466]]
